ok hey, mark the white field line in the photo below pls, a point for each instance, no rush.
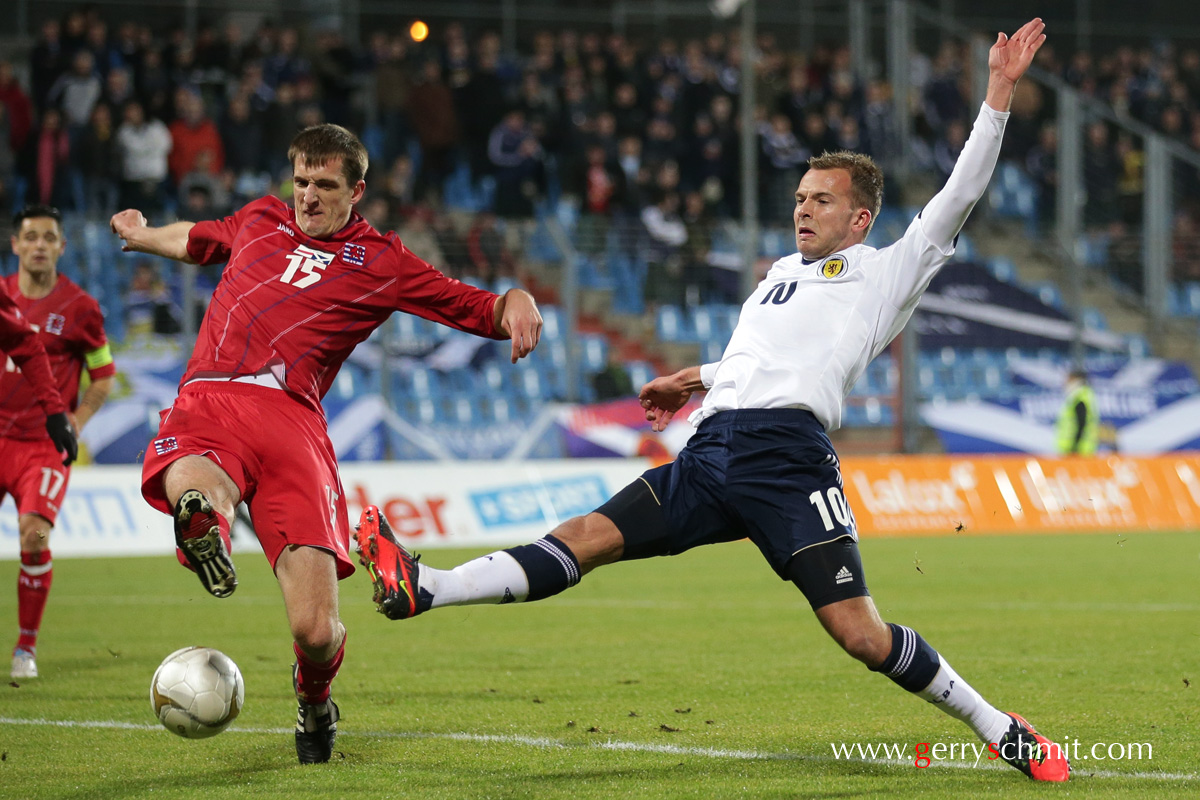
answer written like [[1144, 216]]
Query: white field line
[[636, 747]]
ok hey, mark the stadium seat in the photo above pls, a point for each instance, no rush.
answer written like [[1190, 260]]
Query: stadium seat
[[670, 325], [1003, 269], [640, 373], [551, 323]]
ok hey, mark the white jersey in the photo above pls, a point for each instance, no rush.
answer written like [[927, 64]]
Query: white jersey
[[811, 327]]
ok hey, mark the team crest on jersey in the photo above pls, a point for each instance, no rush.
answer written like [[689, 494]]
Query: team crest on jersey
[[55, 323], [354, 254], [833, 267], [164, 446]]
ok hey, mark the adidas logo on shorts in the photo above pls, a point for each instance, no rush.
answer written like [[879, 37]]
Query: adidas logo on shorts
[[843, 576]]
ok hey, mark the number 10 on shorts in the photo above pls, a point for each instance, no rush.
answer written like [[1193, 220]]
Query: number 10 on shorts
[[837, 501]]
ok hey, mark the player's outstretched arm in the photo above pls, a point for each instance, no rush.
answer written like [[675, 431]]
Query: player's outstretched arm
[[169, 241], [517, 315], [1009, 59], [665, 395]]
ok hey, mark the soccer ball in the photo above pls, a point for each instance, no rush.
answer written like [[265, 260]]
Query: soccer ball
[[196, 692]]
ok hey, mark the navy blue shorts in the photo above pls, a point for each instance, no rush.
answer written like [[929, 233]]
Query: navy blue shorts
[[769, 475]]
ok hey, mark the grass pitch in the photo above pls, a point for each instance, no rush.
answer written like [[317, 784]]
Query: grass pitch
[[696, 676]]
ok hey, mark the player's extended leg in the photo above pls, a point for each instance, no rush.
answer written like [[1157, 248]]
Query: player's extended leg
[[405, 588], [901, 654], [33, 588], [308, 579], [205, 499]]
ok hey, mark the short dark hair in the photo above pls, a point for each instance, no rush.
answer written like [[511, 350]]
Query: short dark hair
[[36, 211], [866, 178], [320, 144]]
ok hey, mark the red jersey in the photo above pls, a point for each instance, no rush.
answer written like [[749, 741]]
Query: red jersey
[[70, 327], [298, 306]]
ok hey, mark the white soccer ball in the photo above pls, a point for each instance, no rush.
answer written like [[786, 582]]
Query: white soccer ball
[[196, 692]]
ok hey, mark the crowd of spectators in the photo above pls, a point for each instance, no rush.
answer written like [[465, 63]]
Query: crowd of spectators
[[642, 138]]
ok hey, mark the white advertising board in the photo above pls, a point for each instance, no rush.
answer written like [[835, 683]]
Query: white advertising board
[[443, 504]]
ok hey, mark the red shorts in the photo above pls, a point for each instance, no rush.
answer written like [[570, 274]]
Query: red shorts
[[31, 470], [277, 451]]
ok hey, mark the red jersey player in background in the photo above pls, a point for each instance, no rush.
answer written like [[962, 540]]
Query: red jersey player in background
[[302, 285], [70, 328]]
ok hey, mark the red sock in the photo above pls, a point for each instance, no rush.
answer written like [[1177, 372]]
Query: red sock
[[313, 679], [33, 587]]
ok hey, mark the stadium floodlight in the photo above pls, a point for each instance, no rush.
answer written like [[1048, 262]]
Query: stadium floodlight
[[726, 8]]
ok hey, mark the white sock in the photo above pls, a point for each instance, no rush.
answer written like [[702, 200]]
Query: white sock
[[955, 696], [495, 578]]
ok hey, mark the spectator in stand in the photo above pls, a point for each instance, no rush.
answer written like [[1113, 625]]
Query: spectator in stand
[[612, 382], [118, 88], [782, 156], [666, 235], [490, 259], [630, 116], [192, 134], [149, 308], [333, 69], [948, 148], [800, 97], [419, 237], [76, 93], [18, 110], [49, 161], [1100, 171], [881, 136], [105, 56], [516, 157], [603, 185], [393, 82], [281, 122], [8, 159], [701, 284], [143, 145], [431, 109], [154, 85], [481, 105], [46, 62], [96, 159], [452, 245], [242, 138], [205, 190], [1042, 165], [286, 65]]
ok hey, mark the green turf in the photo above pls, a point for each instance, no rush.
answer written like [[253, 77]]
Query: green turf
[[629, 680]]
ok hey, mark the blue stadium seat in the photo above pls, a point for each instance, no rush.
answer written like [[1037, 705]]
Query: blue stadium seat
[[551, 323], [671, 325], [1003, 269], [1093, 318], [593, 352], [640, 373], [1049, 294]]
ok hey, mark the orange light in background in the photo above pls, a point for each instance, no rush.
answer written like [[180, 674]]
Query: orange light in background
[[419, 31]]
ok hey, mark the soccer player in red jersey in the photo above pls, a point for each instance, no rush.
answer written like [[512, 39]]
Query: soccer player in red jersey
[[70, 328], [303, 284]]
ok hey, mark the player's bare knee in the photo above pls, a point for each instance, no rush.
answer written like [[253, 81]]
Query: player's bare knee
[[593, 539], [318, 635], [34, 532], [207, 477]]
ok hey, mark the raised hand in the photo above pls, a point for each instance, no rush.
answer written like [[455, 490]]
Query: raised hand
[[1010, 57]]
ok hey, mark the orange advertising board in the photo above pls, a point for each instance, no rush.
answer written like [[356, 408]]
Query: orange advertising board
[[937, 495]]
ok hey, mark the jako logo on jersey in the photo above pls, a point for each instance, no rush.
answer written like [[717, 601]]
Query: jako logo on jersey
[[309, 263], [55, 323], [354, 254], [164, 446], [780, 293], [833, 267], [286, 229]]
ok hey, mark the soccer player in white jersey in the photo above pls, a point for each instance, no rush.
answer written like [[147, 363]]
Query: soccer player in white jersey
[[760, 465]]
